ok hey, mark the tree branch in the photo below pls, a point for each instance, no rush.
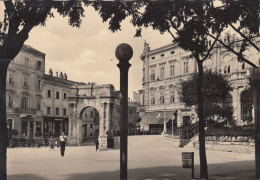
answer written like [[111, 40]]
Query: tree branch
[[212, 46], [233, 51], [244, 36]]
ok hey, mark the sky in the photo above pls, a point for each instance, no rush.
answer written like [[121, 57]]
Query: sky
[[87, 54]]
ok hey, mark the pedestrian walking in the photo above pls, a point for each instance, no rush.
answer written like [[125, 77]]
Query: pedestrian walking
[[97, 144], [62, 140], [51, 143]]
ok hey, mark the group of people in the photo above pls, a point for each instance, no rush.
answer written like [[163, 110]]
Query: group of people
[[62, 143]]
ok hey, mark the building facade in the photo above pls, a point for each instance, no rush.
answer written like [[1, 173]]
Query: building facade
[[166, 67], [42, 105]]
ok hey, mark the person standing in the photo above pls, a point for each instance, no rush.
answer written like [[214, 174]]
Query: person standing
[[62, 140], [97, 143]]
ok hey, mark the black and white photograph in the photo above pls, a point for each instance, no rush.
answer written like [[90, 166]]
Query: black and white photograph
[[129, 90]]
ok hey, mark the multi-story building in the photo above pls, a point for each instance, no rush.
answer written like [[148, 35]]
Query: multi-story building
[[24, 92], [41, 105], [165, 67]]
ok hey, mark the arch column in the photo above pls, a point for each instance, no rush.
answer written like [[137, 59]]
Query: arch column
[[235, 99], [108, 117], [102, 135]]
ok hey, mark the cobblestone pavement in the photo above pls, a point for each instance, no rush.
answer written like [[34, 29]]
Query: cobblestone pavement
[[149, 157]]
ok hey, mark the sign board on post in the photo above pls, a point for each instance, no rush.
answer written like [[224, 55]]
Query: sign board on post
[[188, 161]]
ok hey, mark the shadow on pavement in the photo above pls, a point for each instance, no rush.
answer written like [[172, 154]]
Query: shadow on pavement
[[25, 177], [239, 170]]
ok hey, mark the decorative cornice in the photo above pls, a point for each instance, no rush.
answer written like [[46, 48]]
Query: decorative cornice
[[162, 63], [172, 61], [10, 91], [153, 65], [26, 93]]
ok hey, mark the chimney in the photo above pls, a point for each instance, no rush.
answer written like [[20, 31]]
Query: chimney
[[50, 72], [65, 76], [61, 75], [57, 74]]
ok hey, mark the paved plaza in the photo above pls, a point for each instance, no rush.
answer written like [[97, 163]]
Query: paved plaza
[[149, 157]]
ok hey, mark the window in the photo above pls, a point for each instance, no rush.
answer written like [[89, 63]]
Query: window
[[162, 55], [153, 57], [38, 127], [172, 52], [48, 110], [24, 128], [130, 112], [172, 96], [38, 65], [186, 67], [171, 70], [243, 66], [153, 74], [64, 95], [161, 72], [227, 69], [143, 75], [161, 98], [26, 62], [11, 78], [26, 82], [11, 101], [91, 114], [24, 102], [38, 103], [39, 84], [152, 96], [57, 111], [57, 95], [10, 124], [152, 100], [49, 93], [64, 112]]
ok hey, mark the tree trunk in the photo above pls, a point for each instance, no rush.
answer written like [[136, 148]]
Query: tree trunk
[[3, 125], [202, 150]]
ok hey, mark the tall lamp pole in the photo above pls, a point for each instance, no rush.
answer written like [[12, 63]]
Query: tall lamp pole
[[255, 77], [124, 53]]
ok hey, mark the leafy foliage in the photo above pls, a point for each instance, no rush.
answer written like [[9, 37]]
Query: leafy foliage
[[20, 17], [216, 90], [215, 94]]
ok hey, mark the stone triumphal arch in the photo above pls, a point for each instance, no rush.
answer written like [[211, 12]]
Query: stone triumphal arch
[[91, 114]]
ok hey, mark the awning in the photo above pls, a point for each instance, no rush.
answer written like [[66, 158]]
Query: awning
[[157, 117], [49, 118]]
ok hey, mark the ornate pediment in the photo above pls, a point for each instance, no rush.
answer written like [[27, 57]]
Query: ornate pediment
[[26, 93], [161, 87], [152, 88], [10, 91]]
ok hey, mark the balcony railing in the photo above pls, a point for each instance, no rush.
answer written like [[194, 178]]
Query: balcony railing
[[25, 110]]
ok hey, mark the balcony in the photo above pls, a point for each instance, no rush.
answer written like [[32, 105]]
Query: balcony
[[25, 110]]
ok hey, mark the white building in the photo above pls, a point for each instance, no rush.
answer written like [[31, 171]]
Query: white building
[[165, 67]]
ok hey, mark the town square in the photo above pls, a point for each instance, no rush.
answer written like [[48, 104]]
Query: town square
[[129, 90]]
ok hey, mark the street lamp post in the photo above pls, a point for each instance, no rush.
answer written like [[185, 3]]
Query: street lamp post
[[255, 77], [124, 53]]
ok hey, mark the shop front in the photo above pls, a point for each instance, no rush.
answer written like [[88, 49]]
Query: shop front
[[54, 126]]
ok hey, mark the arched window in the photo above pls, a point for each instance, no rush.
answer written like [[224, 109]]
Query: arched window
[[246, 98]]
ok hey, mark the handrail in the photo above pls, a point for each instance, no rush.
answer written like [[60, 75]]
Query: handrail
[[190, 132]]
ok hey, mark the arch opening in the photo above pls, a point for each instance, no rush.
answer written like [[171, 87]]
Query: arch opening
[[90, 118]]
